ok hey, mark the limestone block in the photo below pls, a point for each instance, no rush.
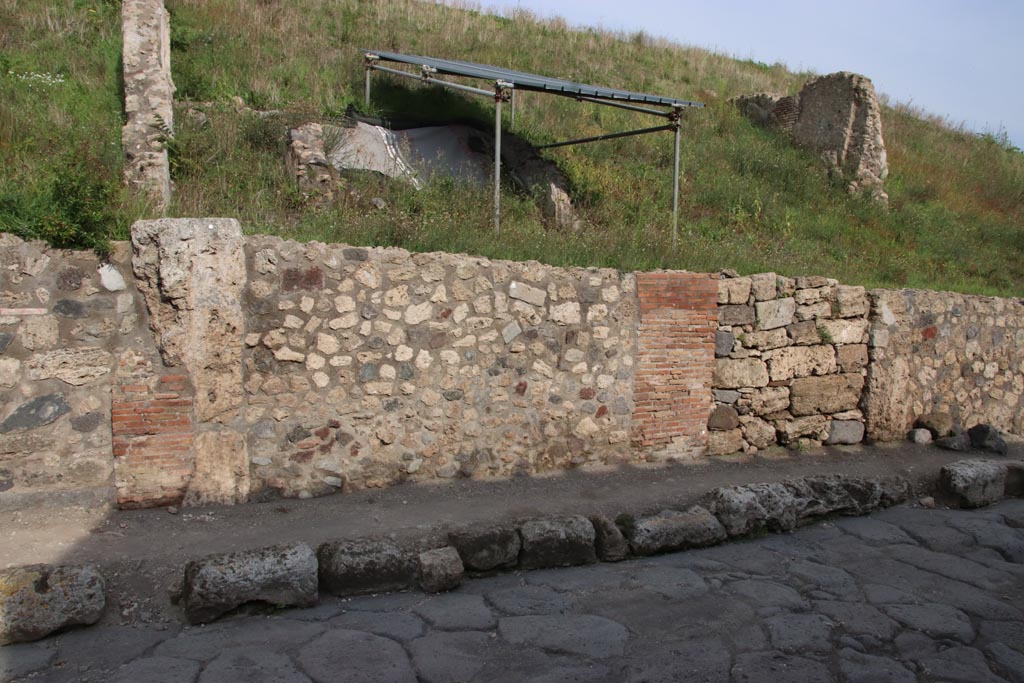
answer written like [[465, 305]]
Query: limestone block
[[813, 426], [283, 575], [804, 333], [440, 570], [221, 469], [527, 293], [852, 357], [849, 302], [557, 542], [827, 394], [735, 315], [487, 548], [38, 333], [609, 542], [769, 400], [845, 432], [800, 361], [111, 278], [766, 340], [775, 313], [724, 443], [37, 600], [849, 331], [567, 313], [73, 366], [192, 274], [723, 419], [887, 409], [10, 372], [670, 530], [974, 483], [740, 373], [734, 290], [937, 423], [757, 432], [361, 566], [764, 286]]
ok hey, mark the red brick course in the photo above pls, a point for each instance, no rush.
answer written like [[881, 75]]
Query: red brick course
[[675, 360], [153, 430]]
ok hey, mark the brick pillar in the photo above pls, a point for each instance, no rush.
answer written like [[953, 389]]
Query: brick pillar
[[675, 361], [153, 432]]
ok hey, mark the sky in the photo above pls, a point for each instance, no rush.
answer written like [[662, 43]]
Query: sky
[[963, 60]]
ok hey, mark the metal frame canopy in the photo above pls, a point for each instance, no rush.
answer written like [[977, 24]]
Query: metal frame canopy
[[507, 81]]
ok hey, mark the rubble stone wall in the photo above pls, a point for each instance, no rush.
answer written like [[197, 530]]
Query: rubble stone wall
[[942, 352], [791, 359]]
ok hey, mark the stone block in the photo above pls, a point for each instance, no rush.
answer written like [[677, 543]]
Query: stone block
[[827, 394], [767, 339], [740, 373], [723, 418], [221, 469], [283, 575], [775, 313], [852, 357], [819, 311], [987, 438], [757, 432], [734, 290], [769, 400], [364, 566], [957, 442], [845, 432], [609, 542], [726, 396], [488, 548], [37, 600], [849, 302], [724, 443], [557, 542], [849, 331], [812, 426], [804, 333], [811, 282], [974, 483], [440, 569], [938, 424], [524, 292], [764, 286], [729, 315], [800, 361], [920, 436], [71, 366], [670, 530], [40, 411], [724, 341]]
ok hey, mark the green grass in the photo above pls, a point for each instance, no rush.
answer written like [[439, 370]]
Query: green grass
[[750, 201]]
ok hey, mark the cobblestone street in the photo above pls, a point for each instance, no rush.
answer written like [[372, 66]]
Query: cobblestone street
[[903, 595]]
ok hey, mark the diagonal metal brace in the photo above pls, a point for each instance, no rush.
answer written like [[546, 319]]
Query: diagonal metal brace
[[609, 136]]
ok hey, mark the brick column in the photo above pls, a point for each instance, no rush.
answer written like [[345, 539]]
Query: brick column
[[675, 361], [153, 433]]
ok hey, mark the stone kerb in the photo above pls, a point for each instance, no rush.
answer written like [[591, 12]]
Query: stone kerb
[[791, 359]]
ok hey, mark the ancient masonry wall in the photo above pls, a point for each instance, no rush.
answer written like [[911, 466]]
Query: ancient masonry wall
[[148, 98], [941, 352], [791, 363]]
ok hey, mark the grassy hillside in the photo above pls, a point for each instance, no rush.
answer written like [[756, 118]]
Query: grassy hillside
[[750, 201]]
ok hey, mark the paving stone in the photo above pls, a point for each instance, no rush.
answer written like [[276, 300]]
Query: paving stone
[[384, 603], [584, 635], [400, 626], [156, 670], [1009, 632], [768, 594], [950, 566], [858, 618], [355, 657], [1007, 541], [772, 667], [694, 660], [800, 633], [24, 658], [206, 642], [523, 600], [252, 666], [935, 620], [858, 667], [671, 582], [109, 646], [447, 657], [958, 665], [832, 579], [873, 530], [457, 612], [1008, 662]]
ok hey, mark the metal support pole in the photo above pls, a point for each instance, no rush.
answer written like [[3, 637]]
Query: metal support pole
[[675, 184], [368, 70], [497, 161], [513, 125]]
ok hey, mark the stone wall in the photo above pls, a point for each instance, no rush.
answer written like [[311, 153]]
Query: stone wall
[[65, 319], [148, 98], [941, 352], [791, 362]]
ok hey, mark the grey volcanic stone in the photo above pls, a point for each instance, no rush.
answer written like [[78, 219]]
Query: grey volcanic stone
[[974, 483], [253, 666], [938, 424], [861, 668], [157, 670], [5, 340], [364, 566], [20, 660], [36, 600], [279, 575], [86, 422], [671, 530], [771, 666], [443, 657], [440, 569], [557, 542], [610, 544], [482, 550], [42, 410], [69, 308], [960, 442], [457, 612], [723, 343], [845, 432], [987, 438], [354, 657], [583, 635]]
